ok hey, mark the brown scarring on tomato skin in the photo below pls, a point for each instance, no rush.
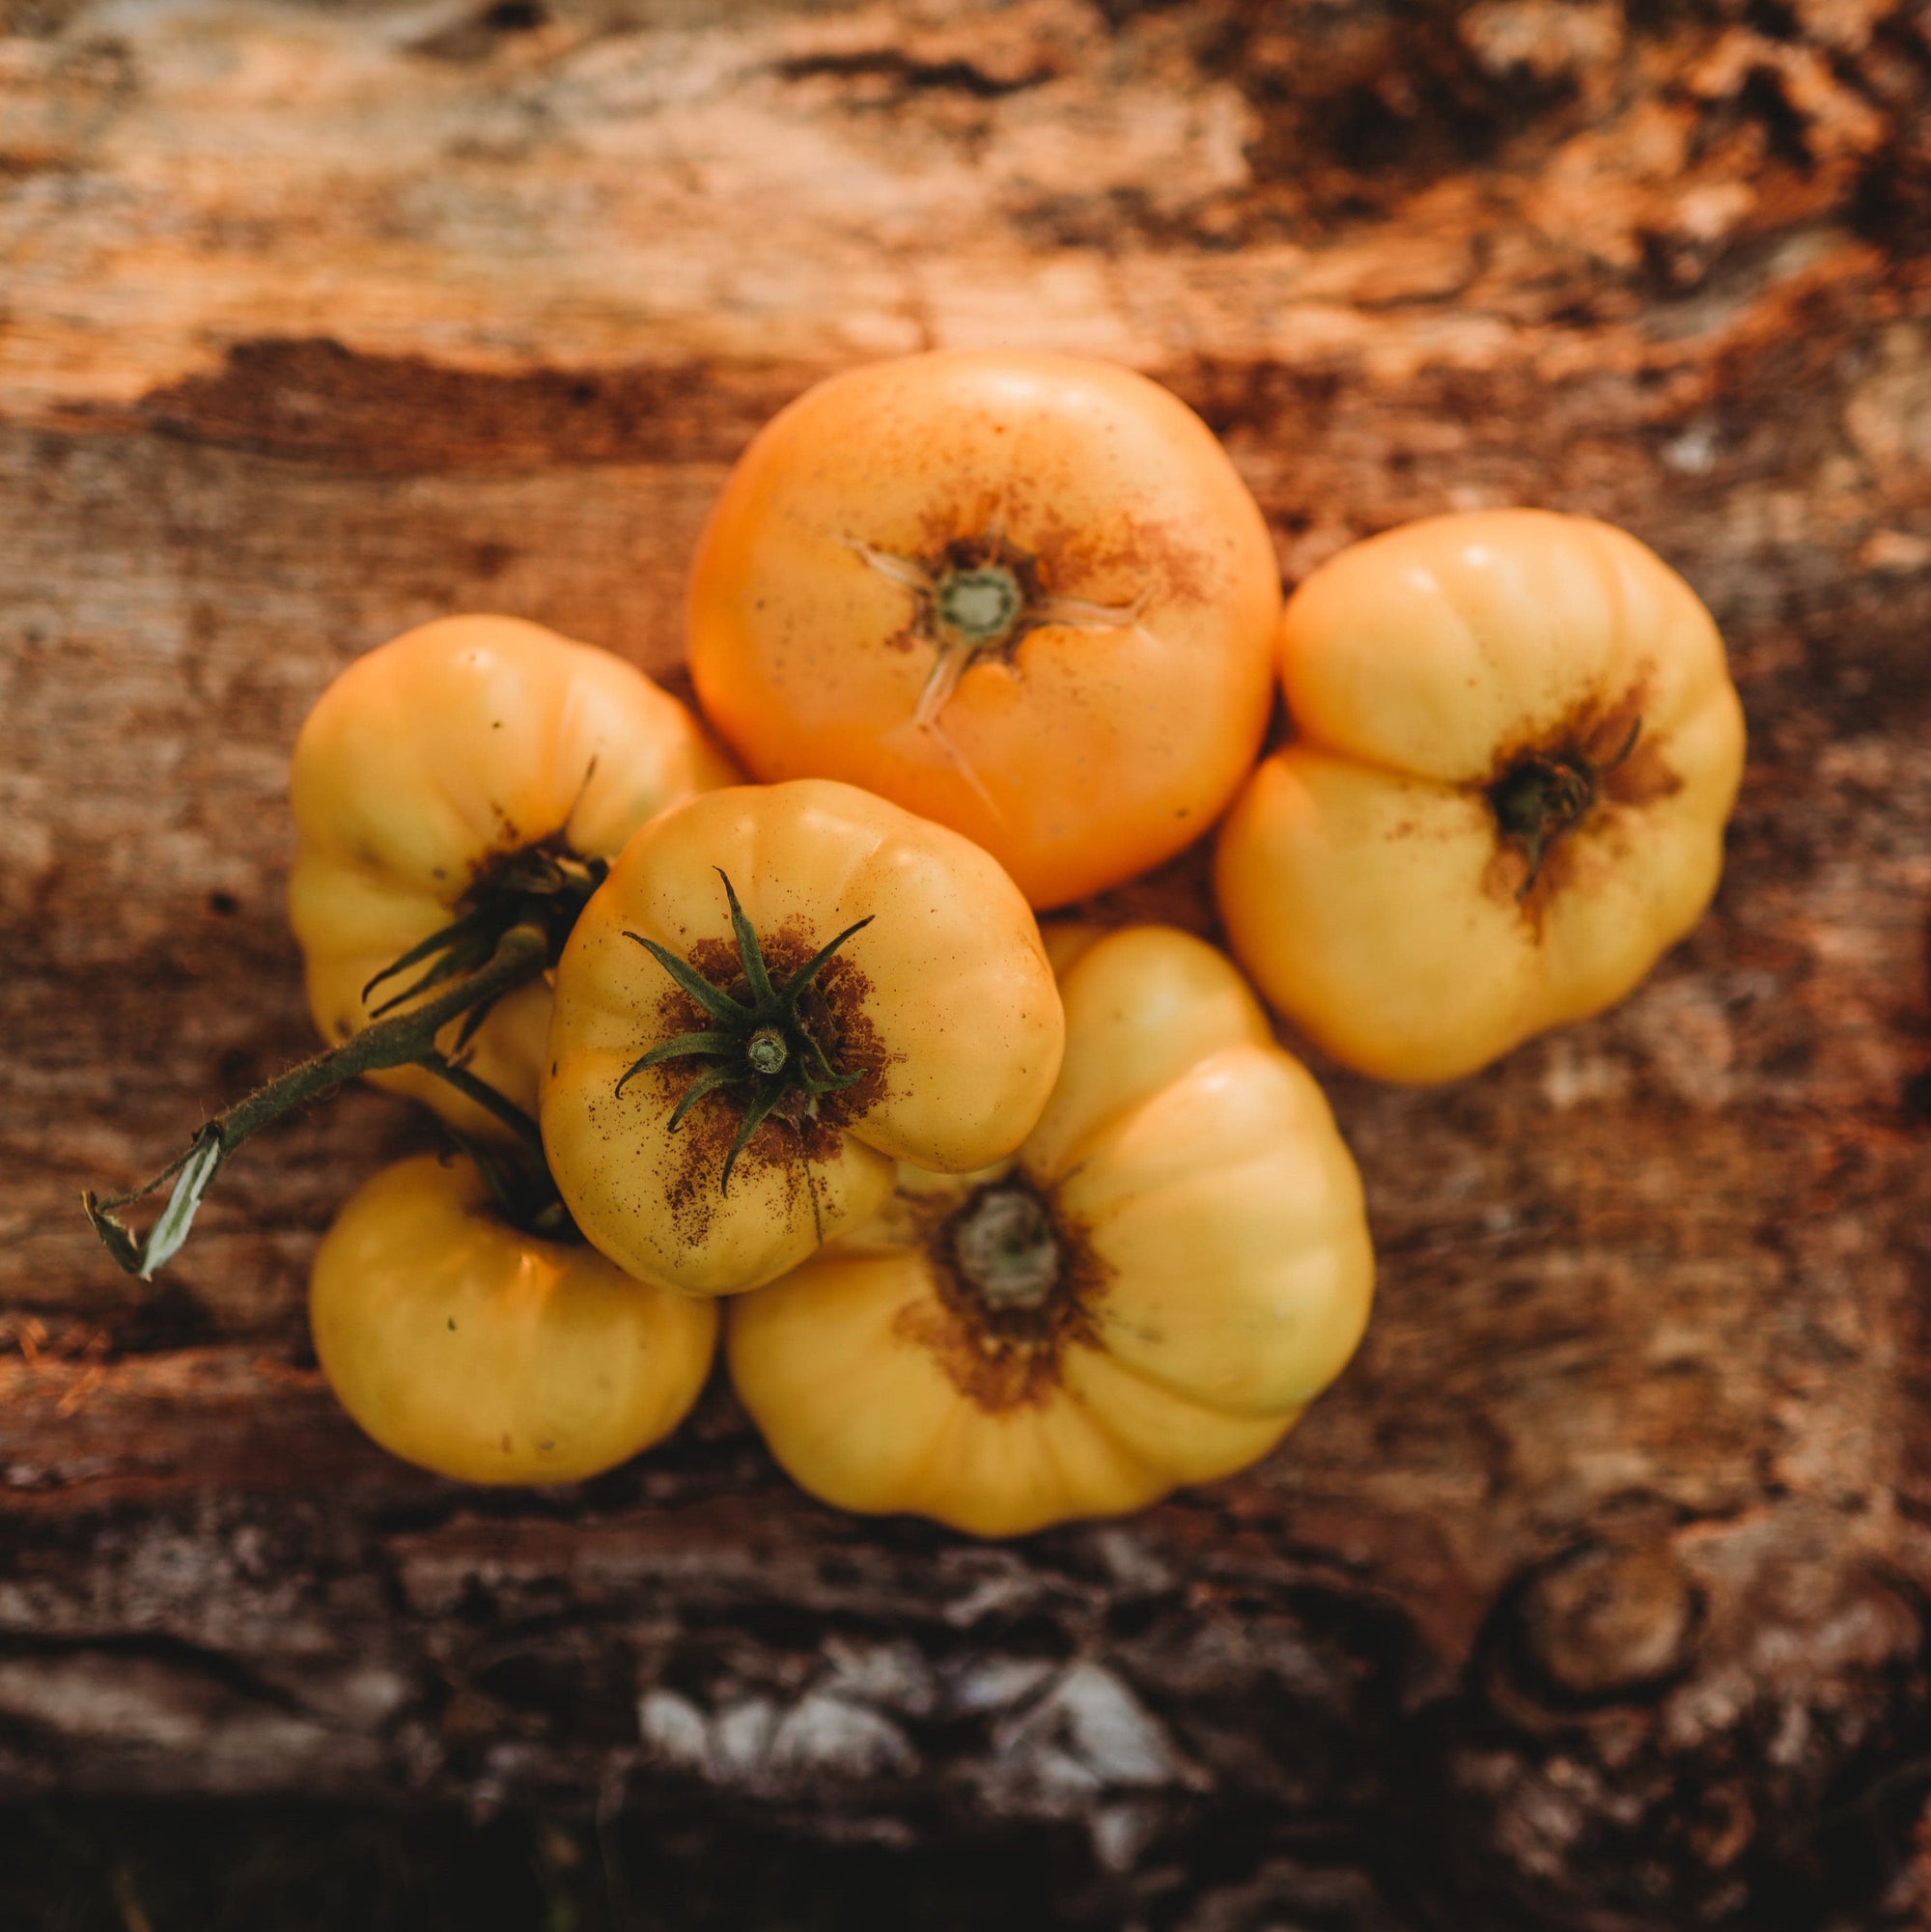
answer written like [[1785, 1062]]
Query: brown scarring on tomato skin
[[1070, 561], [786, 1142], [1003, 1358], [1627, 769], [971, 553], [1121, 559]]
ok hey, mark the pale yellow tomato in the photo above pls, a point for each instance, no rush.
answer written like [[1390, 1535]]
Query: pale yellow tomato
[[1025, 594], [1516, 746], [466, 1345], [433, 773], [713, 1149], [1174, 1266]]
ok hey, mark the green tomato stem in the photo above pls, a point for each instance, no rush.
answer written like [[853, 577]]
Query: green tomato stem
[[398, 1040]]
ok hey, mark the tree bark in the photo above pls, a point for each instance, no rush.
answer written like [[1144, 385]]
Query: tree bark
[[1594, 1595]]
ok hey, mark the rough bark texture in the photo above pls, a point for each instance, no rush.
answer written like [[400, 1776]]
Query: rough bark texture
[[1595, 1595]]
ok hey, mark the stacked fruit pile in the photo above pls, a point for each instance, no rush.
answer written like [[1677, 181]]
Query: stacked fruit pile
[[1014, 1225]]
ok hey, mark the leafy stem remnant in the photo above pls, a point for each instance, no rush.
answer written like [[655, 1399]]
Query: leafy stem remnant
[[543, 885], [396, 1040]]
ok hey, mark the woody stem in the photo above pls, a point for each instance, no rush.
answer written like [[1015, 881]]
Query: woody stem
[[400, 1040]]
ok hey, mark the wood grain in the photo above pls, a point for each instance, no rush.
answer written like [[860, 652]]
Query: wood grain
[[1594, 1596]]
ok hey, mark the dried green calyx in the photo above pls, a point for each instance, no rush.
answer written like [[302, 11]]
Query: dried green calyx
[[544, 885], [978, 597], [760, 1041]]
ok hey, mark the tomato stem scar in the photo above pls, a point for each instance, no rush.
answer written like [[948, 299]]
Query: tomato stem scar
[[981, 605], [1005, 1249], [1019, 1279], [1544, 793], [978, 599], [766, 1050]]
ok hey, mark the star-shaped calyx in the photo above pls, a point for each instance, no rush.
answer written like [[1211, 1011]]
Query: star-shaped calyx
[[761, 1041]]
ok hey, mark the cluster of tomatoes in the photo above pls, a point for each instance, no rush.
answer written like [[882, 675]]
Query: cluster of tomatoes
[[1016, 1224]]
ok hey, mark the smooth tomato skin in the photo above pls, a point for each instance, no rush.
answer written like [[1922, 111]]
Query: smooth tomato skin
[[955, 986], [1224, 1216], [434, 753], [1360, 875], [1096, 751], [465, 1346]]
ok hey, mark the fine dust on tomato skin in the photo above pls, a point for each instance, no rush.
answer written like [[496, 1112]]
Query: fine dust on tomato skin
[[1606, 747], [1147, 557], [1004, 1357], [1070, 577], [988, 502], [790, 1140]]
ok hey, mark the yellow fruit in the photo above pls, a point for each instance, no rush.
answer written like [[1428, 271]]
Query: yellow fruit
[[466, 1345], [1516, 748], [1172, 1267], [428, 772], [932, 1034]]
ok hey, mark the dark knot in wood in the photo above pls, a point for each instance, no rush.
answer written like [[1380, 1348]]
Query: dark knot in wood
[[1607, 1621]]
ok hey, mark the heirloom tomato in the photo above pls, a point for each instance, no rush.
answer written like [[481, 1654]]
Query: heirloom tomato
[[464, 1344], [778, 993], [467, 774], [1516, 745], [1025, 594], [1172, 1267]]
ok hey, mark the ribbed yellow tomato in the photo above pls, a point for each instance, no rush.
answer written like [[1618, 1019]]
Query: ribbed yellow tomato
[[688, 1032], [1517, 746], [463, 1344], [1025, 594], [1174, 1266], [432, 772]]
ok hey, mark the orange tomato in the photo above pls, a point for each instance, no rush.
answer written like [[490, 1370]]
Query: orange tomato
[[1026, 596]]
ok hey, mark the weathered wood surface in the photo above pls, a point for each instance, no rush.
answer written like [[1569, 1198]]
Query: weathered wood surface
[[1595, 1595]]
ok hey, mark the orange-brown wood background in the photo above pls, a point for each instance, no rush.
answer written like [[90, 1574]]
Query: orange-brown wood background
[[1594, 1595]]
